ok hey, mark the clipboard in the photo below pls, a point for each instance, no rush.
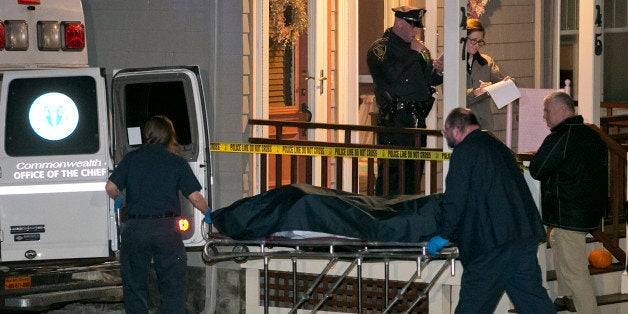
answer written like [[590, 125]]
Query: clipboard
[[503, 92]]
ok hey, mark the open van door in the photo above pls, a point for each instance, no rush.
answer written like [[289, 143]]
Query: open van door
[[53, 165], [175, 92]]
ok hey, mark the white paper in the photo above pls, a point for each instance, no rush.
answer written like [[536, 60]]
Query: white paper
[[135, 136], [532, 126], [503, 92]]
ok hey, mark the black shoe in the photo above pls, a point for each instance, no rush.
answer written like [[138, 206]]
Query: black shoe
[[564, 304]]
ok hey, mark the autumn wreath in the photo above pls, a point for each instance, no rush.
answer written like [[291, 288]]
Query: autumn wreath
[[475, 8], [288, 20]]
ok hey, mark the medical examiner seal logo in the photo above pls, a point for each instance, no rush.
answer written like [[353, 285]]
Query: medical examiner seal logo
[[53, 116]]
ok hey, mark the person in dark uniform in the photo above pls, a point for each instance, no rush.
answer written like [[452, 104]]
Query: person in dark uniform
[[403, 79], [153, 176], [489, 212]]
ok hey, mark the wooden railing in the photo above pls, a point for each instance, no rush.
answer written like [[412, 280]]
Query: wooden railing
[[345, 132], [615, 124], [613, 130], [609, 234], [614, 222]]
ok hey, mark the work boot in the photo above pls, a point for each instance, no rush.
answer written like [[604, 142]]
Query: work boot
[[564, 304]]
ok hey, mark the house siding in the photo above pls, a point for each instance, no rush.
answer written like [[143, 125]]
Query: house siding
[[210, 34]]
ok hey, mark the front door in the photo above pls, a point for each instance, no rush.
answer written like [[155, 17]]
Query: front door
[[287, 88], [298, 84]]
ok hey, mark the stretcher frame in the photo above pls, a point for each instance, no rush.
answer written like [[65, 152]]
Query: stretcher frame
[[336, 249]]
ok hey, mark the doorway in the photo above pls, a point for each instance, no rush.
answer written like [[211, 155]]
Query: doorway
[[313, 77]]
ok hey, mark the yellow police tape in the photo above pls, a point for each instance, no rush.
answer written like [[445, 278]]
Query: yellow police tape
[[328, 151]]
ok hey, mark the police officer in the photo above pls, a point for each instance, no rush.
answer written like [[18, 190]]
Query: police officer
[[153, 176], [403, 78]]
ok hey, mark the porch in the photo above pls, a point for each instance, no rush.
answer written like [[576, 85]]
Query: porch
[[357, 174]]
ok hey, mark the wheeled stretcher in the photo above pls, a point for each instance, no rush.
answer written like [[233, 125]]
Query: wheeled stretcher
[[305, 224], [333, 249]]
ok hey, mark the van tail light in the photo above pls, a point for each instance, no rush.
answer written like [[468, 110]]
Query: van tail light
[[73, 35], [16, 35], [183, 224], [48, 37], [3, 40], [28, 1]]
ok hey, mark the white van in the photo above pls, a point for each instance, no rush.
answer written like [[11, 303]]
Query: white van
[[60, 140]]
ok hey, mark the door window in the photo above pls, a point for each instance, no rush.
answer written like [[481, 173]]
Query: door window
[[142, 96], [52, 116], [145, 100]]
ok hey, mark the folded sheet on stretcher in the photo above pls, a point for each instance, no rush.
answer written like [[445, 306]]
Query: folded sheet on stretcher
[[302, 208]]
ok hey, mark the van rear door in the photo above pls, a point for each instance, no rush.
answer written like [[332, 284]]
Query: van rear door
[[53, 165], [175, 92]]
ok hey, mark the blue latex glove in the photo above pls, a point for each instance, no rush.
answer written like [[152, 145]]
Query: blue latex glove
[[436, 244], [117, 203], [208, 219]]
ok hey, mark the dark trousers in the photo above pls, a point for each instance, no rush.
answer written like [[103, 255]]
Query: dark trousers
[[401, 119], [513, 269], [156, 240]]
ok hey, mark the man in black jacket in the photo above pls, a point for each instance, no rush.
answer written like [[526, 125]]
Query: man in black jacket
[[403, 75], [572, 165], [489, 212]]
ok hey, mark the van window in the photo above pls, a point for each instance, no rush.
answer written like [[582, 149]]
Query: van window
[[52, 116], [144, 100]]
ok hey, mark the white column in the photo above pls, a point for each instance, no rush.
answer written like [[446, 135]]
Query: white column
[[455, 84], [317, 66], [431, 40], [454, 87], [260, 57], [347, 33], [589, 64], [538, 43]]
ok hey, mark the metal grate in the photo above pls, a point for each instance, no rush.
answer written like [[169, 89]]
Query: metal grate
[[345, 297]]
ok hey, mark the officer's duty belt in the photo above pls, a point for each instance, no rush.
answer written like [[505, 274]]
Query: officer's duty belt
[[402, 105], [157, 216], [410, 106]]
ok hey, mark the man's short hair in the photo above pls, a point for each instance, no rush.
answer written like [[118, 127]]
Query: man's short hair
[[561, 98], [461, 118]]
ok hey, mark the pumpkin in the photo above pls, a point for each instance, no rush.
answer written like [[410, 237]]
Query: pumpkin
[[600, 258]]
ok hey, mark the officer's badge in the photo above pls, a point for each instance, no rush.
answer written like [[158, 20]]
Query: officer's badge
[[379, 51]]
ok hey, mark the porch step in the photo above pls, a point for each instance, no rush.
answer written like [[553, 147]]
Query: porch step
[[610, 303], [615, 267], [606, 282], [612, 299]]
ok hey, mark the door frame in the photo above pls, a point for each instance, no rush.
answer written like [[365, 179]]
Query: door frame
[[346, 69]]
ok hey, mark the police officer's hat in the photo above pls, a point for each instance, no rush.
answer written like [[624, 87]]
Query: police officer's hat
[[410, 14]]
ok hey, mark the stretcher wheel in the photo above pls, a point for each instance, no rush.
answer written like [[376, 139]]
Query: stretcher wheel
[[209, 252], [243, 250]]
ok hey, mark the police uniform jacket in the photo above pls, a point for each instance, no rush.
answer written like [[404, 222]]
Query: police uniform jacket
[[153, 177], [487, 203], [572, 165], [399, 73]]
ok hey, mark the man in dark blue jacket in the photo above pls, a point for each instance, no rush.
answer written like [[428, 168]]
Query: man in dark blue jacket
[[489, 212], [572, 165]]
